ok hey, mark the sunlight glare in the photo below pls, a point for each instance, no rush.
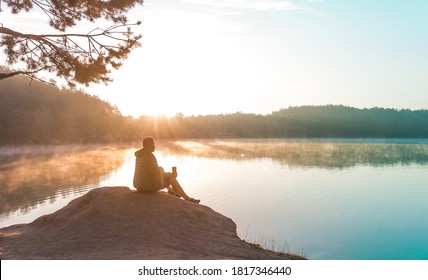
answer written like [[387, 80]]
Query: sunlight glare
[[177, 71]]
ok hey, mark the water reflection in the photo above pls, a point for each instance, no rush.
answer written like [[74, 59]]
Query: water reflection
[[34, 175], [308, 154]]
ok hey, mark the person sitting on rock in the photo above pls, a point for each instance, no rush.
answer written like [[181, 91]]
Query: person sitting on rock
[[149, 177]]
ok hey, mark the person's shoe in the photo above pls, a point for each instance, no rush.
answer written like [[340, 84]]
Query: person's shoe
[[195, 200]]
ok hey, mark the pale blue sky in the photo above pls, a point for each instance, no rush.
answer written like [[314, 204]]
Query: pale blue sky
[[215, 56]]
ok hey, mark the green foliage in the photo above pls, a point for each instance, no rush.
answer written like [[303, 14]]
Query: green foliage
[[341, 121], [43, 114], [316, 122], [66, 13], [77, 58]]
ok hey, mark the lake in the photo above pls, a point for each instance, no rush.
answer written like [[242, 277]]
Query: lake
[[323, 198]]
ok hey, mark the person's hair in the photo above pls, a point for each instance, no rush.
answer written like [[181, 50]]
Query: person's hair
[[148, 141]]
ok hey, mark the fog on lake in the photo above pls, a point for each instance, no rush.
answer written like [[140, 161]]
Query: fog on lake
[[326, 199]]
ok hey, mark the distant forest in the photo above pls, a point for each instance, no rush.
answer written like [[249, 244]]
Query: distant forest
[[44, 114]]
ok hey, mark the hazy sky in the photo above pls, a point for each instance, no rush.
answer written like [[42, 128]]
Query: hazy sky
[[215, 56]]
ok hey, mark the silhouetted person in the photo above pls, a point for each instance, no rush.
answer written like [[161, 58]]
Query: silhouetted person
[[149, 177]]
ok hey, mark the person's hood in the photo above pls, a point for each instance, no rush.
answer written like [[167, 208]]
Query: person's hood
[[139, 153]]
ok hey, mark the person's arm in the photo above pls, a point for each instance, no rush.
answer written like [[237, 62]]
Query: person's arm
[[155, 171]]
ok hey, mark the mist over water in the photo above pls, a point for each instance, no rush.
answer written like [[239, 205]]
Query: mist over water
[[330, 199], [34, 176]]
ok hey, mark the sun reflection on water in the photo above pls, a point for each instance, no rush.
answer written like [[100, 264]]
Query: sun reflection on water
[[276, 191]]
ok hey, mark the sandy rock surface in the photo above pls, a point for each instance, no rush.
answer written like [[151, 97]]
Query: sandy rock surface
[[117, 223]]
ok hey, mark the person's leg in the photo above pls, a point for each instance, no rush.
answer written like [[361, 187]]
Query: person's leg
[[169, 189], [167, 183], [179, 190]]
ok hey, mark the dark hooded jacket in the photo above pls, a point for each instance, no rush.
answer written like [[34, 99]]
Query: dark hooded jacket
[[147, 175]]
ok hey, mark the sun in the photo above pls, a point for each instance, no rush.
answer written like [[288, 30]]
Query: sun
[[186, 68]]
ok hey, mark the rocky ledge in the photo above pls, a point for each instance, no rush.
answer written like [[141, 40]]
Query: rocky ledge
[[117, 223]]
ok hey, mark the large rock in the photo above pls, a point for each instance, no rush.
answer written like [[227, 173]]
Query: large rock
[[117, 223]]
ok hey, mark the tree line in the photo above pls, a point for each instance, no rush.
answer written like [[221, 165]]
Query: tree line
[[44, 114], [327, 121], [40, 113]]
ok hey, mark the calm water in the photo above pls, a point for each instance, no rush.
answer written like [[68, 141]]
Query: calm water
[[327, 199]]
